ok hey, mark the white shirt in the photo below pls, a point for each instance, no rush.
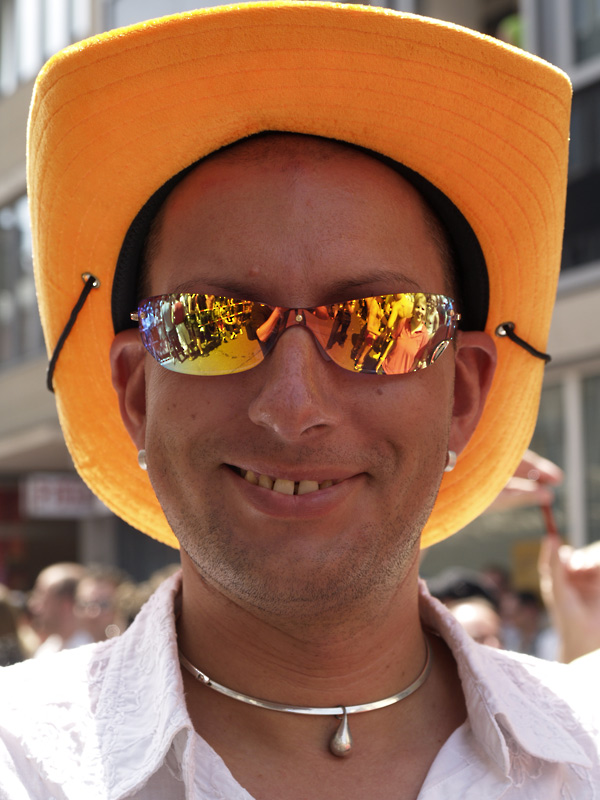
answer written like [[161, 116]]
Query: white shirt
[[55, 643], [109, 721]]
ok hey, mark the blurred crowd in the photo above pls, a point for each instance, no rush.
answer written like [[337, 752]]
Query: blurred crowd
[[493, 612], [70, 605], [560, 623]]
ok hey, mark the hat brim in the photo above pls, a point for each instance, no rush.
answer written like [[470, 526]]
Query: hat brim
[[114, 117]]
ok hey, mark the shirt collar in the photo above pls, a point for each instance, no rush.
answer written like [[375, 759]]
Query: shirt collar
[[511, 712], [142, 693], [506, 713]]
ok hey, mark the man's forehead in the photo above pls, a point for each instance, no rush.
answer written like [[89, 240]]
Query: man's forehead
[[292, 152], [297, 148], [288, 154], [304, 186]]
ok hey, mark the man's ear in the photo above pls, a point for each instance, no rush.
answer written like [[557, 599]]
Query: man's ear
[[475, 364], [127, 358]]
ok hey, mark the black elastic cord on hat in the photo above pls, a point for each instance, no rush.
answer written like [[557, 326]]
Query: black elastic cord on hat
[[91, 282], [508, 329]]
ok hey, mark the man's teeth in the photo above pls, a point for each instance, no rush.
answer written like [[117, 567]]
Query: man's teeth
[[306, 487], [284, 486]]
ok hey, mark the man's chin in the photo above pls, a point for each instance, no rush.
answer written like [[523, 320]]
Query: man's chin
[[301, 587]]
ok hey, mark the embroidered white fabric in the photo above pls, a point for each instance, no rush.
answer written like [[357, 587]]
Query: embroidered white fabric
[[109, 721]]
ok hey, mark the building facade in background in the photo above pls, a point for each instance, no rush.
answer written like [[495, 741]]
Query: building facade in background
[[47, 514]]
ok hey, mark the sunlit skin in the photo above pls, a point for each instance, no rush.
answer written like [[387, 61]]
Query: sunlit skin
[[294, 585]]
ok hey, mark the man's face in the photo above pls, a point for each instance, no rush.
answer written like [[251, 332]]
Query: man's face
[[297, 223]]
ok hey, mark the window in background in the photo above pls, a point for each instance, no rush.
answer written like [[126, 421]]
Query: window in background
[[585, 15], [582, 234], [81, 23], [591, 421], [548, 438], [29, 38], [20, 329], [545, 24], [128, 12], [8, 50], [33, 30], [57, 26]]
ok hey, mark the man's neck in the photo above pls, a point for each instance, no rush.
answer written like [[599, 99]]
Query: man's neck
[[346, 665], [364, 653]]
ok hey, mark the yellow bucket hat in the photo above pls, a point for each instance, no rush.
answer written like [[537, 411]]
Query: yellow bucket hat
[[113, 118]]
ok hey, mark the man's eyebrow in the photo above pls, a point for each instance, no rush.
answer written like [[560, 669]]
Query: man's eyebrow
[[225, 287], [386, 281], [391, 280]]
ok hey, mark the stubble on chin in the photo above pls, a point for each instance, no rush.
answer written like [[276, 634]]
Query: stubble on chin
[[294, 589], [352, 574]]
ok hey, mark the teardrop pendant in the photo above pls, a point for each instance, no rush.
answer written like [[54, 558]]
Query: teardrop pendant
[[341, 741]]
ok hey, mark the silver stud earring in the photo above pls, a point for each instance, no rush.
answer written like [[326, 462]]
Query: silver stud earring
[[450, 461], [143, 464]]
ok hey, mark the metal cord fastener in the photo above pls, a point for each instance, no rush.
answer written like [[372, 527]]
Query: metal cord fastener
[[508, 329], [91, 282]]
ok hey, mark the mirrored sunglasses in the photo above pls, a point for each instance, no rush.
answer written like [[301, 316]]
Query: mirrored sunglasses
[[200, 334]]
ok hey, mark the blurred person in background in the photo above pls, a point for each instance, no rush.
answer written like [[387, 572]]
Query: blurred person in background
[[499, 578], [131, 596], [530, 631], [96, 605], [480, 620], [29, 639], [461, 583], [52, 604], [570, 585], [11, 651], [473, 601], [569, 577]]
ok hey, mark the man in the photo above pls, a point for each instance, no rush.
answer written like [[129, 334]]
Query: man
[[52, 605], [256, 154]]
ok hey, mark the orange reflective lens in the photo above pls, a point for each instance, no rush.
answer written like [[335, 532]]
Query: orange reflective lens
[[201, 334]]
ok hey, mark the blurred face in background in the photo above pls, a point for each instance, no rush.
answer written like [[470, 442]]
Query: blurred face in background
[[96, 608], [48, 607], [479, 620]]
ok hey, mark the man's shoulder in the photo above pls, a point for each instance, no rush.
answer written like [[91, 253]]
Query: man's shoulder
[[71, 719], [54, 675], [544, 701], [535, 678], [523, 709], [47, 713], [75, 676], [527, 672]]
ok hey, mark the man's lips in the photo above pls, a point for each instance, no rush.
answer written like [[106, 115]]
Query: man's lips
[[284, 485]]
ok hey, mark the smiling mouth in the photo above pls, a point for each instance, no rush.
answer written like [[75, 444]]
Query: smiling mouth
[[282, 485]]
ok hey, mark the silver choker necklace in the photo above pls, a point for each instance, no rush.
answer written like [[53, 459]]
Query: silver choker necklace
[[341, 741]]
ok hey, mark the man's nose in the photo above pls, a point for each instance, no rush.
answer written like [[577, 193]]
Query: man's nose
[[297, 396]]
